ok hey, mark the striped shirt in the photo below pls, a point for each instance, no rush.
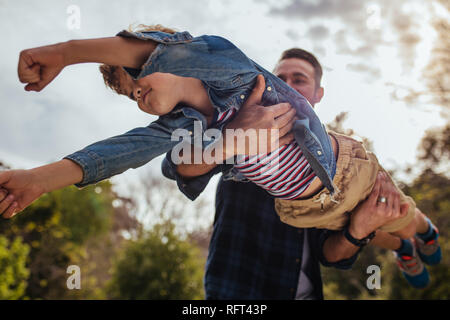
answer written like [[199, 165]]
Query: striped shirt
[[284, 173]]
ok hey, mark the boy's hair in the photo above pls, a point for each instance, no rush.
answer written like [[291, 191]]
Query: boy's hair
[[305, 55], [111, 74]]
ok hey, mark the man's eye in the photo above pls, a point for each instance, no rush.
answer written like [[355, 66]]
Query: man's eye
[[298, 81]]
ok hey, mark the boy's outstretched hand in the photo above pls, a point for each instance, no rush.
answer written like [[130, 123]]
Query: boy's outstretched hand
[[39, 66], [18, 189]]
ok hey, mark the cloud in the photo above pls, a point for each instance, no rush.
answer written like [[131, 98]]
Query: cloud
[[319, 50], [318, 32], [406, 27], [292, 34], [373, 72], [367, 50], [393, 17], [321, 8]]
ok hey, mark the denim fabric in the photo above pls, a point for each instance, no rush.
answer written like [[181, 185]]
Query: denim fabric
[[228, 76]]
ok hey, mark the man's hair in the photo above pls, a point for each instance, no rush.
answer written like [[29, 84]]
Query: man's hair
[[111, 74], [305, 55]]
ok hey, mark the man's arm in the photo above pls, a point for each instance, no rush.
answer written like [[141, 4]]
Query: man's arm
[[366, 218], [39, 66]]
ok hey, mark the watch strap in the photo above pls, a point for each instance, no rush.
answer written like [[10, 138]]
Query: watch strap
[[358, 242]]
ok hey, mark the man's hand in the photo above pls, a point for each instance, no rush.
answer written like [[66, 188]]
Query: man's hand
[[251, 116], [366, 218], [372, 214], [277, 119], [18, 189], [39, 66]]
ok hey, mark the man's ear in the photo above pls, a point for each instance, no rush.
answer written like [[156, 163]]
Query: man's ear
[[318, 95]]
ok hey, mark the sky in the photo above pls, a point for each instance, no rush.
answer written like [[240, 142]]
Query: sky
[[372, 53]]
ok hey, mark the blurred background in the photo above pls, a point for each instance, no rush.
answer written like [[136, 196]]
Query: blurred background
[[386, 79]]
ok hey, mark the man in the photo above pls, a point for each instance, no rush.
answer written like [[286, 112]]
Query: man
[[252, 254]]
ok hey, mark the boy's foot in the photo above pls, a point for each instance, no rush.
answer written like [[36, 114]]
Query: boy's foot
[[428, 247], [411, 266]]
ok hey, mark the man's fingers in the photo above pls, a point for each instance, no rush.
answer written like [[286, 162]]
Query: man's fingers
[[280, 109], [285, 119], [373, 198], [396, 205], [404, 207], [258, 90], [285, 139], [287, 128]]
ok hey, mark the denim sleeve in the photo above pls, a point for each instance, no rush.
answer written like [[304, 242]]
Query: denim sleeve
[[190, 187], [341, 264], [112, 156]]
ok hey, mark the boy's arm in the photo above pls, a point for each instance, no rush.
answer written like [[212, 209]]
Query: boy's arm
[[39, 66], [94, 163], [19, 188]]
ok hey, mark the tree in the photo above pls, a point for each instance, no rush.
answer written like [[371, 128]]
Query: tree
[[13, 270], [57, 227], [158, 265]]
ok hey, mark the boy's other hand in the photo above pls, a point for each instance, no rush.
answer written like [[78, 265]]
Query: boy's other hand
[[18, 189], [39, 66]]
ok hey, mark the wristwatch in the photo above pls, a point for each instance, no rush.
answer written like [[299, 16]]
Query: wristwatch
[[358, 242]]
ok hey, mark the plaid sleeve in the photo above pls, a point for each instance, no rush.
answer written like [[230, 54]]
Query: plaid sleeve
[[341, 264]]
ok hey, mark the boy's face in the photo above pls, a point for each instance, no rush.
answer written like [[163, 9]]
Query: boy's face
[[155, 94]]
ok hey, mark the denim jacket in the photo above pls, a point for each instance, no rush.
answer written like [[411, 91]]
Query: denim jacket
[[228, 75]]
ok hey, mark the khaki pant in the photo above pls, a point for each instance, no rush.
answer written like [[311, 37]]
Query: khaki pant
[[356, 172]]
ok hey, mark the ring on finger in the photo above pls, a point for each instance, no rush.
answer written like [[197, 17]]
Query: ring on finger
[[382, 199]]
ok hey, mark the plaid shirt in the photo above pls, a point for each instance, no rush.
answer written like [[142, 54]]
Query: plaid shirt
[[253, 255]]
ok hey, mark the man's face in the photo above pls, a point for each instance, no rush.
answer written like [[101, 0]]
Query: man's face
[[299, 74]]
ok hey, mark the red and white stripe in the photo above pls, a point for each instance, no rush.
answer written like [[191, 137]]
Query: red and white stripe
[[284, 173]]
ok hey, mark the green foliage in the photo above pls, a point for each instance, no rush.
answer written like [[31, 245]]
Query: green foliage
[[431, 192], [13, 270], [55, 227], [159, 265]]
